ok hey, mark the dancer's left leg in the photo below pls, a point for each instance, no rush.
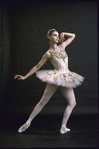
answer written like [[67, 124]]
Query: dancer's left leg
[[70, 97]]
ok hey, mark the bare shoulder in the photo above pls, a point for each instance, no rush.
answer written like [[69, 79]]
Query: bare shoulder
[[48, 55]]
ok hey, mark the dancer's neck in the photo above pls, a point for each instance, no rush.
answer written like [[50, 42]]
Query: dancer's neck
[[53, 46]]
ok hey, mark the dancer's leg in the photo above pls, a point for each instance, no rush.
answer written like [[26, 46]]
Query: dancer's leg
[[49, 91], [70, 97]]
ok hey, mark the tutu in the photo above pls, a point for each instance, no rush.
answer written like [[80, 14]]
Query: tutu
[[61, 75], [69, 80]]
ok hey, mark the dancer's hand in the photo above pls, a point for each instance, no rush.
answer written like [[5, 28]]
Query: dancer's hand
[[19, 77], [61, 37]]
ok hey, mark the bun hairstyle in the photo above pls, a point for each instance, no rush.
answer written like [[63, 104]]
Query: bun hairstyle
[[50, 32]]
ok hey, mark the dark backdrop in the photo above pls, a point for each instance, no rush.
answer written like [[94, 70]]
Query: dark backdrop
[[24, 28]]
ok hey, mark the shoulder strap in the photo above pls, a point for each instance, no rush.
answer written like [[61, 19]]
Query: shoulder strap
[[50, 52]]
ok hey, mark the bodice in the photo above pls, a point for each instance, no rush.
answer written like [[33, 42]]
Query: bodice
[[60, 59], [61, 75]]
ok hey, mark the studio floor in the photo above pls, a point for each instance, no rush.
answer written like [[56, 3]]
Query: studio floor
[[44, 131]]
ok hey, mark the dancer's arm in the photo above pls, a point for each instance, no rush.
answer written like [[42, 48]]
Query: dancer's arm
[[43, 60], [65, 43]]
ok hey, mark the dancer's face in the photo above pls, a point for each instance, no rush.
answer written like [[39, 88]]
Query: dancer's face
[[54, 37]]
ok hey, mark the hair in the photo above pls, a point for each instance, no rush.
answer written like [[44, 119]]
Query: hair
[[50, 32]]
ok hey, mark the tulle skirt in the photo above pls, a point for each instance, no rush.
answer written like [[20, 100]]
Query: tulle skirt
[[64, 79]]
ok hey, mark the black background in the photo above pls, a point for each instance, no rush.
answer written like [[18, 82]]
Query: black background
[[24, 29]]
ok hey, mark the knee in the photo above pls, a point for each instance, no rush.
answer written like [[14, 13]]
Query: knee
[[72, 103]]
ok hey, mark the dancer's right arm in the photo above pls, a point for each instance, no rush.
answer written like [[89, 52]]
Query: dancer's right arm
[[43, 60]]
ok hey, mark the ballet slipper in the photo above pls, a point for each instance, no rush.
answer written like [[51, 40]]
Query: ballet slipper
[[64, 130], [25, 126]]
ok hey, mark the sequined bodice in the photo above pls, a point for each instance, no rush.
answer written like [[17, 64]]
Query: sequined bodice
[[60, 54], [61, 75], [60, 59]]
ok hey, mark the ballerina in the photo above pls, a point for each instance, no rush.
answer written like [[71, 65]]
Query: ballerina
[[61, 77]]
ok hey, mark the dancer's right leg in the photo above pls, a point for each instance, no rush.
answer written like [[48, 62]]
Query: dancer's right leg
[[49, 91]]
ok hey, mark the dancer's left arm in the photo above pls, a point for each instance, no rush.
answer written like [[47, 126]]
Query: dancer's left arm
[[65, 43]]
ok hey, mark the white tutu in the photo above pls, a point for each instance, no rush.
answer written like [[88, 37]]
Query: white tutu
[[69, 80], [61, 75]]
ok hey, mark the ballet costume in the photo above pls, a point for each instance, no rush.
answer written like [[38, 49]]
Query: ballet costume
[[61, 77]]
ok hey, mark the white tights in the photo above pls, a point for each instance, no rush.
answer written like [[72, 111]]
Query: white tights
[[49, 91]]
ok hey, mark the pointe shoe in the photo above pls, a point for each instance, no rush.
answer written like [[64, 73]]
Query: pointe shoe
[[25, 126], [64, 130]]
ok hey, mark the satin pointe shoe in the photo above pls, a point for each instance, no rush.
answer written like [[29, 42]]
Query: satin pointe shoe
[[64, 130], [25, 126]]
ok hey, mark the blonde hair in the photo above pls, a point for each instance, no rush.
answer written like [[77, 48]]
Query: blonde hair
[[50, 32]]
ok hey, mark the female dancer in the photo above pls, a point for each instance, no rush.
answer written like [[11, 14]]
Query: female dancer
[[61, 76]]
